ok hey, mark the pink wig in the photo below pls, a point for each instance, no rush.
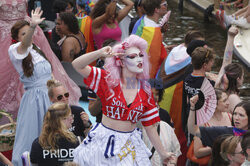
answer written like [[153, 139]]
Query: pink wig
[[113, 64]]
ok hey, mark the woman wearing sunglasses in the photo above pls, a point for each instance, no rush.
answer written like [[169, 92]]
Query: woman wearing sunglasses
[[58, 93], [56, 143], [126, 98]]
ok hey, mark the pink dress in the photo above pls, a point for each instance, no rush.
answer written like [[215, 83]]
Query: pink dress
[[11, 89]]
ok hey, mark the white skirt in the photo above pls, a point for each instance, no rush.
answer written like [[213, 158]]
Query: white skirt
[[104, 146]]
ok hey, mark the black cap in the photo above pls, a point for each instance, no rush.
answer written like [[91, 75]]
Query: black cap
[[194, 44]]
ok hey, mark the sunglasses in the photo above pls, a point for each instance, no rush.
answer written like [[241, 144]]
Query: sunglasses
[[59, 97]]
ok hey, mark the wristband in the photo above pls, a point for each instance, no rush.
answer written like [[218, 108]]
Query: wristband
[[192, 109]]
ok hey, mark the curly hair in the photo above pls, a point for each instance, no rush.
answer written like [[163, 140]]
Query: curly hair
[[114, 69], [53, 127], [70, 20]]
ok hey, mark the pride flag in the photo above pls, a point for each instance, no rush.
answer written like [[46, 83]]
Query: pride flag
[[172, 101], [85, 25], [156, 50]]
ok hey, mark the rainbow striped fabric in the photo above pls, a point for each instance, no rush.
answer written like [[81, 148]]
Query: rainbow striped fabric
[[172, 101], [156, 50], [85, 25]]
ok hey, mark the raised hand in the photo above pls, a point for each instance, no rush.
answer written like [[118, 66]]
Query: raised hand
[[167, 156], [233, 31], [111, 9], [106, 52], [193, 101], [84, 117], [36, 17]]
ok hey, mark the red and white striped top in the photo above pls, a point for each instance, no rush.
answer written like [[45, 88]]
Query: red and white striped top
[[114, 104]]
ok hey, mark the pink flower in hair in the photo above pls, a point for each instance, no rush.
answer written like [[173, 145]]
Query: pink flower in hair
[[125, 45]]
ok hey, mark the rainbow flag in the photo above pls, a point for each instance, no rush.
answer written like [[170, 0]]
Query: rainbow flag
[[156, 49], [85, 25], [172, 101]]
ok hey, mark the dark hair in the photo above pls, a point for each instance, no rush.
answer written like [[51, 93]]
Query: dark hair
[[72, 4], [59, 6], [71, 21], [216, 158], [149, 6], [246, 106], [245, 143], [193, 45], [200, 56], [192, 35], [233, 71], [137, 3], [99, 8], [27, 64]]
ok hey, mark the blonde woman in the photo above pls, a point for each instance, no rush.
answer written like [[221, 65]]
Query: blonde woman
[[56, 143]]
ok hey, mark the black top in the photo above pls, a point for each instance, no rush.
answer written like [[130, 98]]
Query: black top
[[42, 157], [132, 24], [209, 134], [82, 48], [77, 126], [192, 85]]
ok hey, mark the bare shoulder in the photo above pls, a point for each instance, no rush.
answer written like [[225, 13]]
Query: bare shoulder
[[233, 97]]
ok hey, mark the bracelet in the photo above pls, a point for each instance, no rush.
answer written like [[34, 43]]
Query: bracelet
[[173, 164], [192, 109]]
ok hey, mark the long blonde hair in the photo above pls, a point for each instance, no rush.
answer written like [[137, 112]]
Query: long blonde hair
[[54, 128]]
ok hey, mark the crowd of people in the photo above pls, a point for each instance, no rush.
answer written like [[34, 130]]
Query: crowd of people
[[154, 104]]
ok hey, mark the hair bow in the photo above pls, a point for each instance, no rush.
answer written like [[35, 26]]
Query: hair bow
[[124, 45], [13, 41]]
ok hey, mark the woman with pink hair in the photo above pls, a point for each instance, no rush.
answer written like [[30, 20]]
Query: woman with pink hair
[[126, 98]]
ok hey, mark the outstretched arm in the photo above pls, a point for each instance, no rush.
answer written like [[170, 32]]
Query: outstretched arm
[[155, 140], [81, 63], [27, 40], [228, 54]]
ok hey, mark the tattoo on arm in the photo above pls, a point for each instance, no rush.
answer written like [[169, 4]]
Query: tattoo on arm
[[228, 55], [72, 54]]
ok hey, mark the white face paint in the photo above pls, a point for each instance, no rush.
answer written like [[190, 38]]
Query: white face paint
[[133, 60]]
